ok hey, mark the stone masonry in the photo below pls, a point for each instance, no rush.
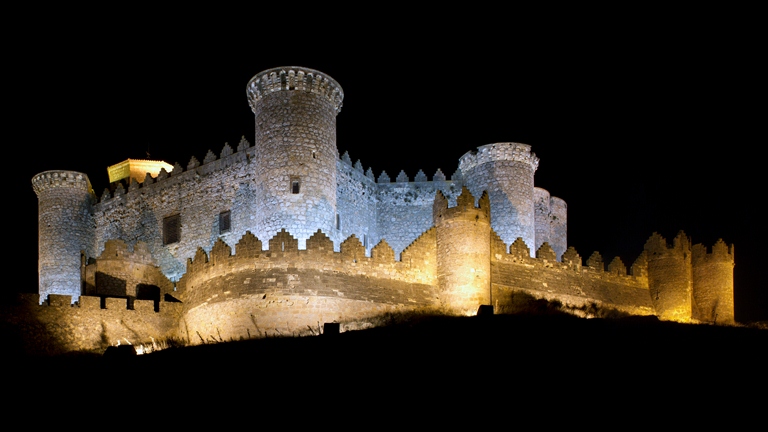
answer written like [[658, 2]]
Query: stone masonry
[[283, 235]]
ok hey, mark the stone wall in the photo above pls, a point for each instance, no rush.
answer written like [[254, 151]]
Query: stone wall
[[405, 207], [285, 290], [568, 282], [197, 195], [319, 239], [356, 203], [126, 272], [59, 326]]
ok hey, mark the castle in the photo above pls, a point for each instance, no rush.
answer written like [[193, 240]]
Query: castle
[[284, 235]]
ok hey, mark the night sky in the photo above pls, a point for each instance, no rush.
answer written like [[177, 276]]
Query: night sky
[[640, 126]]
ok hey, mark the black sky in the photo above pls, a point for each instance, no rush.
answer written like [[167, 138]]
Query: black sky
[[641, 125]]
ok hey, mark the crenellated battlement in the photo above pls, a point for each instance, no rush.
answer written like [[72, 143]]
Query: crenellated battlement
[[569, 281], [283, 250], [465, 206], [61, 179], [294, 78], [57, 325], [402, 177], [657, 245], [509, 151], [519, 252], [93, 303], [288, 233], [165, 177], [720, 252]]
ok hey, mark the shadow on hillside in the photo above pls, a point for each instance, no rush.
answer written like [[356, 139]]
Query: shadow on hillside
[[23, 335], [538, 340]]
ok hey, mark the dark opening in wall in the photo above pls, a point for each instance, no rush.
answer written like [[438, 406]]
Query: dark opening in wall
[[149, 292], [295, 185], [108, 285], [338, 221], [224, 222], [171, 229]]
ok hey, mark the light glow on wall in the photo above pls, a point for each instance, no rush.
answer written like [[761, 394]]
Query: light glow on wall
[[137, 169]]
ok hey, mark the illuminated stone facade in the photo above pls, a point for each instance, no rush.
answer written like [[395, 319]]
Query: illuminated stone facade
[[284, 235]]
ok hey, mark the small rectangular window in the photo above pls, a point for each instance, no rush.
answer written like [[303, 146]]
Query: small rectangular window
[[224, 222], [295, 185], [338, 222], [171, 229]]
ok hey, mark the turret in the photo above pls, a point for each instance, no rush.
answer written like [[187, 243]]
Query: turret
[[65, 231], [295, 151], [670, 278], [464, 252], [713, 283], [506, 171]]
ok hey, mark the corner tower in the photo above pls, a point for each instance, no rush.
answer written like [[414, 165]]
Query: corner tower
[[506, 171], [65, 230], [295, 151]]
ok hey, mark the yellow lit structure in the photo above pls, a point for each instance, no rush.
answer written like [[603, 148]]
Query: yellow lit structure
[[137, 169]]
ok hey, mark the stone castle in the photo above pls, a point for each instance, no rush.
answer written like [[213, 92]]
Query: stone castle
[[279, 237]]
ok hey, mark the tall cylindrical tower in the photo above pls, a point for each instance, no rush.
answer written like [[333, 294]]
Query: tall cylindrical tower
[[713, 283], [65, 231], [541, 217], [558, 235], [670, 277], [550, 217], [506, 171], [463, 252], [295, 151]]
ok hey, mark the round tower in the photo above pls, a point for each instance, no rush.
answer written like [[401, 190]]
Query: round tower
[[295, 152], [541, 217], [713, 283], [670, 277], [506, 171], [65, 231], [558, 234], [463, 252]]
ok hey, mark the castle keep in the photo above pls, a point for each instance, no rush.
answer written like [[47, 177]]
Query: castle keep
[[282, 235]]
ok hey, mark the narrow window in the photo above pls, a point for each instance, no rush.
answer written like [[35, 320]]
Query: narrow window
[[314, 155], [171, 229], [295, 185], [224, 222], [338, 222]]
